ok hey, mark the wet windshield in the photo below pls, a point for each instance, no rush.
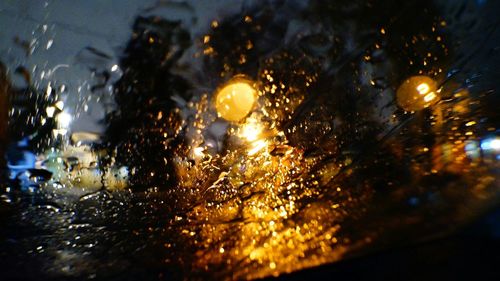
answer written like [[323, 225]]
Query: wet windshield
[[240, 139]]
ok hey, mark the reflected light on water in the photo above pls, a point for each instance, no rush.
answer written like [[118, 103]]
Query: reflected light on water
[[417, 93]]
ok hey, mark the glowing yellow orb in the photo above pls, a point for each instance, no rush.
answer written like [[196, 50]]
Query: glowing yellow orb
[[417, 93], [235, 100]]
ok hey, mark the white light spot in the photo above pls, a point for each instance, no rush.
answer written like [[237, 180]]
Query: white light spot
[[257, 146], [63, 119], [50, 111], [491, 144], [423, 88], [49, 44], [198, 151], [429, 97], [60, 105]]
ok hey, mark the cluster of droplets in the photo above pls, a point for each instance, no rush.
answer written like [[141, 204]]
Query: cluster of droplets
[[251, 182], [263, 183]]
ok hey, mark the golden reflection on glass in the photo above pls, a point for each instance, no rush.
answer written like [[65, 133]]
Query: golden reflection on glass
[[417, 93], [270, 178], [251, 130]]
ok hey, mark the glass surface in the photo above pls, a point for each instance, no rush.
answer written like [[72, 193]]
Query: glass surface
[[342, 128]]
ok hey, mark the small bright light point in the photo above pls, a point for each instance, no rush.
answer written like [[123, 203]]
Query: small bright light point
[[491, 144], [251, 131], [50, 111], [63, 119], [272, 265], [429, 97], [417, 93], [423, 88], [198, 151], [59, 105], [235, 100], [257, 146], [495, 144]]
